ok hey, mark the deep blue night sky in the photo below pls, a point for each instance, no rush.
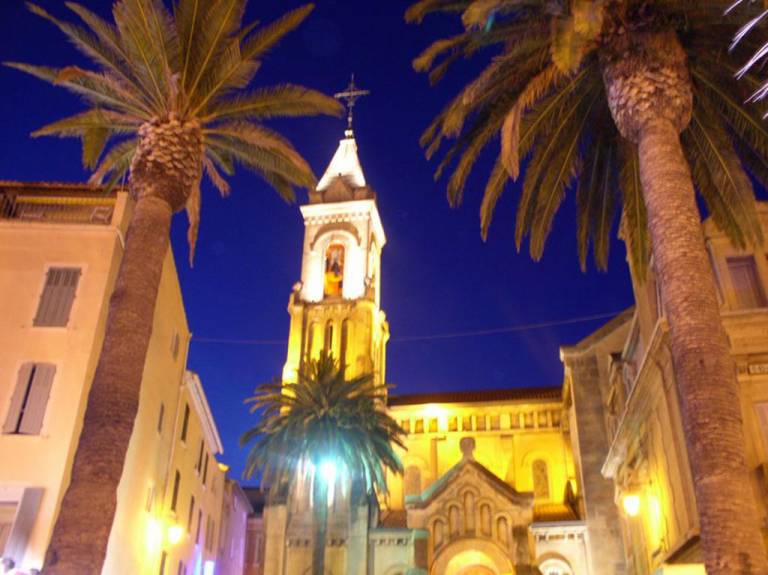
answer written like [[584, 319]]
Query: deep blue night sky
[[438, 276]]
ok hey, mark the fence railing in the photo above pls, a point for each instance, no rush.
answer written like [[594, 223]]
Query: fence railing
[[56, 209]]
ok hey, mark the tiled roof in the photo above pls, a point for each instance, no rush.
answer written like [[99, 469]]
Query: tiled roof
[[554, 512], [478, 396]]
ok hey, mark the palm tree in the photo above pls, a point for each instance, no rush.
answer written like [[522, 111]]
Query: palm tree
[[166, 101], [323, 425], [628, 102]]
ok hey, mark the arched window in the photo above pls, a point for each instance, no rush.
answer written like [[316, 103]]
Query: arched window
[[334, 270], [343, 345], [502, 531], [469, 512], [555, 567], [412, 480], [328, 344], [453, 520], [540, 479], [485, 519], [310, 340], [438, 533]]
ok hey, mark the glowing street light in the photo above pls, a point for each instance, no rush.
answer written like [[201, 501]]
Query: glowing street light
[[175, 534], [327, 471], [631, 504]]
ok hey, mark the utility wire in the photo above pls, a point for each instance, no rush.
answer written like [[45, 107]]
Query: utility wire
[[437, 336], [508, 329]]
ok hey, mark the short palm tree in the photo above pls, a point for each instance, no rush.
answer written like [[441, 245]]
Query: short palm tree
[[166, 102], [630, 103], [321, 423]]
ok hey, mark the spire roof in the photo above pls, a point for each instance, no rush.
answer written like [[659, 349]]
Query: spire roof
[[343, 179], [345, 165]]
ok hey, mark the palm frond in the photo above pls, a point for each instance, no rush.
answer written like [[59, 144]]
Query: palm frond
[[493, 190], [720, 178], [634, 215], [416, 12], [115, 162], [551, 169], [323, 415], [143, 41], [215, 177], [221, 23], [278, 101], [510, 132], [551, 172], [287, 160], [596, 201]]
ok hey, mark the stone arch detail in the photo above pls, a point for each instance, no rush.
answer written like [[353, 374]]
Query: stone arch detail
[[469, 501], [554, 563], [335, 231], [458, 556]]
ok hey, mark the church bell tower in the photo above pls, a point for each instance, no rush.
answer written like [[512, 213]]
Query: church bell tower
[[336, 305]]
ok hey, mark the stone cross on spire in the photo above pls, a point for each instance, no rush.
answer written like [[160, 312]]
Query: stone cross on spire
[[351, 94]]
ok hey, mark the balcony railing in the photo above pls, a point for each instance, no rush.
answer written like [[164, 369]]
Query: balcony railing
[[59, 209]]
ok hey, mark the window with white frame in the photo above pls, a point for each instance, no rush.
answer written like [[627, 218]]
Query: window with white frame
[[29, 399], [58, 295]]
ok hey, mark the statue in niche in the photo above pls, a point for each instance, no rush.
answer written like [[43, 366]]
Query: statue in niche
[[334, 270]]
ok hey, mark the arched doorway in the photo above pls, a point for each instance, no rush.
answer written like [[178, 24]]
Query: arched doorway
[[472, 557], [476, 570]]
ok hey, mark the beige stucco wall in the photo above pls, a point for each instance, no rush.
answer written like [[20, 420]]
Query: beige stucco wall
[[27, 249]]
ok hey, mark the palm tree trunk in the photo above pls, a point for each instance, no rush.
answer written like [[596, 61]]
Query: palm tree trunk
[[705, 371], [320, 511], [79, 541]]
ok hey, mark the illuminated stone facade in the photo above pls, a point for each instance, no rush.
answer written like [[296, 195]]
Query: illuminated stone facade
[[492, 482], [623, 374], [60, 248]]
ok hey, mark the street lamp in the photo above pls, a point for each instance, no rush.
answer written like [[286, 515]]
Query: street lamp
[[175, 533], [327, 470], [631, 504]]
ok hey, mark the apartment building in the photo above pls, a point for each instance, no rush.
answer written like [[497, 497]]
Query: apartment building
[[60, 249], [622, 382]]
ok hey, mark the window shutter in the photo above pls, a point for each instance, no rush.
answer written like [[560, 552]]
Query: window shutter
[[17, 399], [40, 389], [58, 296], [746, 283]]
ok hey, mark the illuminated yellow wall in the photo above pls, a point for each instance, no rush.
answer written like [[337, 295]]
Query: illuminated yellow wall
[[201, 477], [510, 436]]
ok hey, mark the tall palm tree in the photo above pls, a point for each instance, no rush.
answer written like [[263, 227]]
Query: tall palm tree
[[631, 102], [166, 101], [323, 425]]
